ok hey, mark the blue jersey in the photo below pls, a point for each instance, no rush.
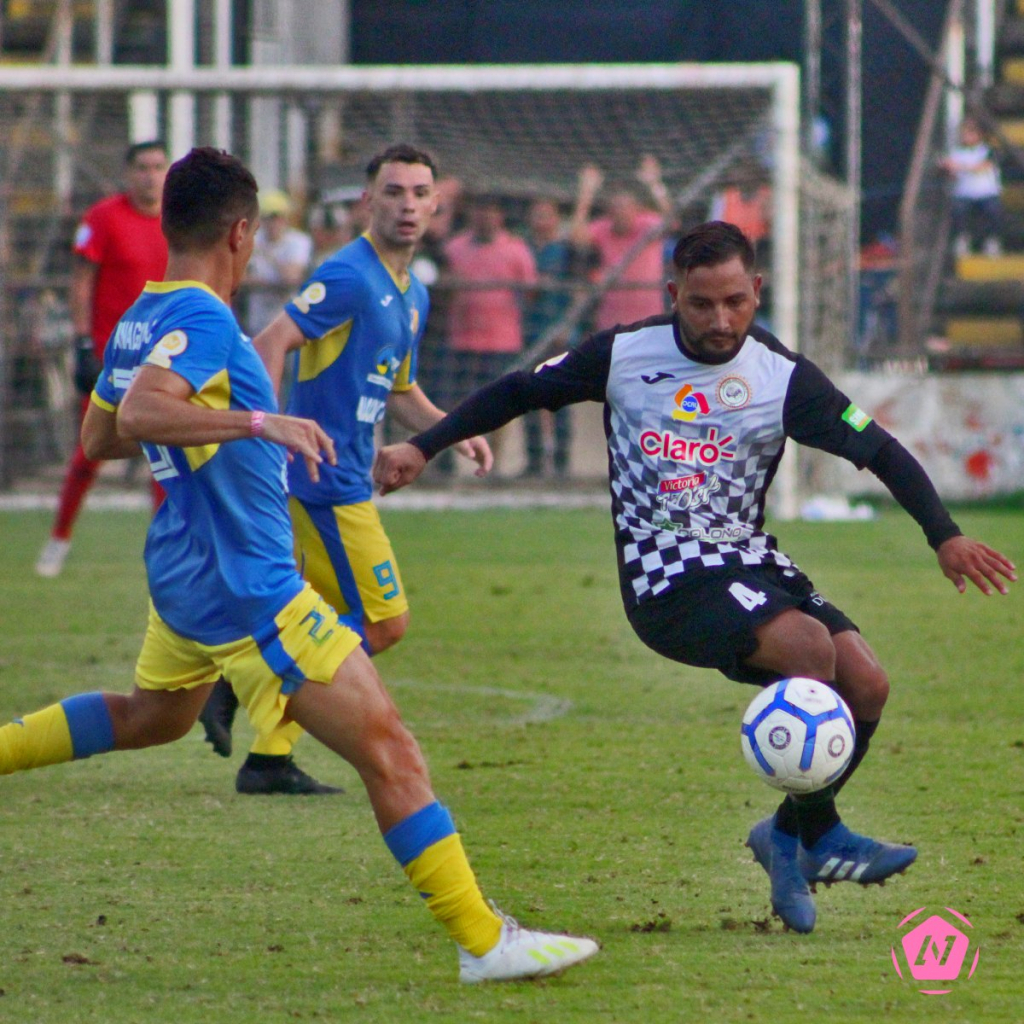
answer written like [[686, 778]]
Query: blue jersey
[[219, 553], [363, 330]]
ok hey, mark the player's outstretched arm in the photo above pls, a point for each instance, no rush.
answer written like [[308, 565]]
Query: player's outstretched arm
[[274, 342], [156, 409], [962, 559], [100, 439], [415, 411], [396, 466]]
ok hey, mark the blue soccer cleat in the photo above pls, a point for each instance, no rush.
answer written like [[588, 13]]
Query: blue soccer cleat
[[777, 854], [843, 856]]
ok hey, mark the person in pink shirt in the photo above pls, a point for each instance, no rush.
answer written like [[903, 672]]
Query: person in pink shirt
[[639, 291], [489, 269]]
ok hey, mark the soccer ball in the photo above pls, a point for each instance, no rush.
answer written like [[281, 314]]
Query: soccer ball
[[797, 734]]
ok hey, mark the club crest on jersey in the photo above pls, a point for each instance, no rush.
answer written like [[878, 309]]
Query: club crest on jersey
[[705, 451], [689, 404], [733, 392], [310, 296], [386, 364], [169, 346]]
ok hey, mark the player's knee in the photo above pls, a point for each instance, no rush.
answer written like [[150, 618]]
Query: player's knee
[[392, 752], [794, 644], [868, 693], [387, 632], [139, 723]]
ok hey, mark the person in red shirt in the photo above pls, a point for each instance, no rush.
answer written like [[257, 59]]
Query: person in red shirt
[[490, 270], [639, 289], [118, 247]]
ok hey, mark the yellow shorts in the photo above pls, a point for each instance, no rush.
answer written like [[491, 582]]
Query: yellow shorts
[[305, 641], [346, 555]]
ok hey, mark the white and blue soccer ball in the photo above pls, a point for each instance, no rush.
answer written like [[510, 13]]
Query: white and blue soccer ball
[[798, 734]]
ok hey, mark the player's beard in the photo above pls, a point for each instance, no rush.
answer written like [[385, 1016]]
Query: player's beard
[[700, 345]]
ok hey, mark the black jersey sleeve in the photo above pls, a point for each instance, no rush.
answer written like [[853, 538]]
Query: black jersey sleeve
[[911, 486], [817, 414], [579, 375]]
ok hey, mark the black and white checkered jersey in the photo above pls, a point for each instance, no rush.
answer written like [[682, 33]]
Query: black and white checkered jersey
[[694, 446]]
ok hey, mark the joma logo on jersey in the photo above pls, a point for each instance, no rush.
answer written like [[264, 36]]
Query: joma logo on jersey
[[370, 410], [690, 403], [706, 451]]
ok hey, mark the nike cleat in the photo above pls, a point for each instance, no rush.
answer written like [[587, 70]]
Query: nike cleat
[[843, 856], [776, 852]]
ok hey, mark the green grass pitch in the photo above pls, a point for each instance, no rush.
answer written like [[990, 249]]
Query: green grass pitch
[[599, 789]]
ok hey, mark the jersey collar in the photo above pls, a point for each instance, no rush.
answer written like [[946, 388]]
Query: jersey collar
[[165, 287]]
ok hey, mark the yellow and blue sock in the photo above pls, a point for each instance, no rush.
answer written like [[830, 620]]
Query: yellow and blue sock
[[431, 854], [77, 727]]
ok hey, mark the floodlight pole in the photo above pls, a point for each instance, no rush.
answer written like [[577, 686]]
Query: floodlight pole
[[854, 93], [181, 57]]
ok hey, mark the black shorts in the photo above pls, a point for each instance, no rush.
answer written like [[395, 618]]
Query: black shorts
[[708, 619]]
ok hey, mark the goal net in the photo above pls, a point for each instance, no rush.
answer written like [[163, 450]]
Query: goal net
[[516, 132]]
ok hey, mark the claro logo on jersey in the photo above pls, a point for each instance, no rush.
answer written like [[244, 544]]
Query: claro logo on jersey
[[705, 451]]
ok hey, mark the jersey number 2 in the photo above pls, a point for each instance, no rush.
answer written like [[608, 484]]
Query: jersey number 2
[[749, 599]]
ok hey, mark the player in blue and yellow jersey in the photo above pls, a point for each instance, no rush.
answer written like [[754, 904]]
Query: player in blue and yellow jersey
[[356, 324], [183, 382]]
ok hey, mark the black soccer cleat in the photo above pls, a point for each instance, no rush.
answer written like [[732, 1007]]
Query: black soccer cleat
[[218, 715], [281, 775]]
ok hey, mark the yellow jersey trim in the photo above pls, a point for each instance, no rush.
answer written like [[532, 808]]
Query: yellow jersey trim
[[101, 403], [394, 277], [316, 356], [165, 287], [214, 394]]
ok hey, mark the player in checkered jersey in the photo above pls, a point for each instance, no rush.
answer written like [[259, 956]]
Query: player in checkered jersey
[[698, 406]]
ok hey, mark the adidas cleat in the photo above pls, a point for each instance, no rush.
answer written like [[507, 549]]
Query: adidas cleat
[[776, 852], [843, 856], [523, 954]]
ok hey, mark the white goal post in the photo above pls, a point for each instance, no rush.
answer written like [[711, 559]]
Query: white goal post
[[516, 130]]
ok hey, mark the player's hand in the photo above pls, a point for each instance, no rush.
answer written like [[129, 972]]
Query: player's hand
[[477, 450], [301, 437], [649, 171], [590, 180], [397, 465], [87, 367], [961, 557]]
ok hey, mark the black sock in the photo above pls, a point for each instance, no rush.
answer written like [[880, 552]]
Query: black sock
[[865, 730], [815, 814], [264, 762]]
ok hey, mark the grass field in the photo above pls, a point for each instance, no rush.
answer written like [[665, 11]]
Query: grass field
[[599, 789]]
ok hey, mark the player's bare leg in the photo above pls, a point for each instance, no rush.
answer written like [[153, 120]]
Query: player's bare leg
[[355, 717], [97, 723]]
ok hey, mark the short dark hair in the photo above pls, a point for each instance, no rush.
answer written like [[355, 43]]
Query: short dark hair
[[205, 192], [710, 244], [401, 153], [143, 147]]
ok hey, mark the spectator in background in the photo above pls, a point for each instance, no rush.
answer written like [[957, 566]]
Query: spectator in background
[[559, 264], [977, 207], [279, 262], [745, 200], [490, 270], [118, 247], [627, 222], [430, 265]]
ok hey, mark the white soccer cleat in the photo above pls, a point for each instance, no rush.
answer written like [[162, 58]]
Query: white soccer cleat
[[521, 953], [51, 558]]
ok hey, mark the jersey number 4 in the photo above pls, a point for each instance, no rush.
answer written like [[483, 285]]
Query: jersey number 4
[[749, 599]]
